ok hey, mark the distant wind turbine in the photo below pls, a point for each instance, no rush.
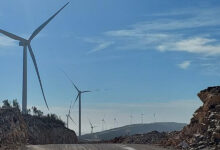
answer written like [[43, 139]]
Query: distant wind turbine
[[131, 117], [115, 122], [78, 97], [26, 43], [92, 127], [103, 122], [142, 118], [154, 117]]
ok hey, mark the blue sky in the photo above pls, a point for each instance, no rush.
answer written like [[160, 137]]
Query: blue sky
[[138, 56]]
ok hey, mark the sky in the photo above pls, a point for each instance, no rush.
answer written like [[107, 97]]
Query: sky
[[136, 56]]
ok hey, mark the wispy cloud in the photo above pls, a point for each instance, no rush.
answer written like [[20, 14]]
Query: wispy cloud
[[185, 64], [6, 42], [169, 33], [100, 44]]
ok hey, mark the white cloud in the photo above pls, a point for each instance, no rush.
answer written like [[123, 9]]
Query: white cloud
[[198, 45], [6, 42], [101, 46], [185, 64]]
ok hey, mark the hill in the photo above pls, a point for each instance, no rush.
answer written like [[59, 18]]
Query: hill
[[135, 129], [17, 129]]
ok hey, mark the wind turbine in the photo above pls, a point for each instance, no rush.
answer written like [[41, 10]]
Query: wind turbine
[[77, 97], [92, 127], [26, 43], [103, 122], [142, 118], [115, 122], [131, 117], [154, 117]]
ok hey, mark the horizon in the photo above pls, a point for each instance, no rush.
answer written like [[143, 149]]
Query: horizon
[[136, 57]]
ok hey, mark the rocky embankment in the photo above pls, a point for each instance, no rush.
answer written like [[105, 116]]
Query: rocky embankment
[[203, 132], [204, 128], [13, 129], [17, 129]]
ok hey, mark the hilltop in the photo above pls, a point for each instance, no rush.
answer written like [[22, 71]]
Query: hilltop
[[17, 129], [135, 129]]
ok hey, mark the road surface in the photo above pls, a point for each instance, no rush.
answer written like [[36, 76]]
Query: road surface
[[93, 147]]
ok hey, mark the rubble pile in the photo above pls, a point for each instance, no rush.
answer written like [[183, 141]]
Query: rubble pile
[[204, 128], [153, 137]]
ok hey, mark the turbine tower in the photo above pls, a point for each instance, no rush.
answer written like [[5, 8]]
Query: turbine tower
[[103, 122], [77, 97], [26, 43]]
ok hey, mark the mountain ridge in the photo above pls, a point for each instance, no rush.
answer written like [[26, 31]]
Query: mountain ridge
[[134, 129]]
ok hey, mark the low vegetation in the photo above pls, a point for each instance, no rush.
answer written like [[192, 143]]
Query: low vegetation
[[34, 112]]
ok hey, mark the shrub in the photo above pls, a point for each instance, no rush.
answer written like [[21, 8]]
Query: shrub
[[6, 104]]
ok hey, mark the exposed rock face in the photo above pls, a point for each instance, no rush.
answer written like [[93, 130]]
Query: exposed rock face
[[17, 129], [43, 131], [204, 128], [153, 137], [13, 129]]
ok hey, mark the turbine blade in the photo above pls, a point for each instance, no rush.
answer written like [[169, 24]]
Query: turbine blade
[[90, 123], [72, 119], [76, 99], [13, 36], [86, 91], [71, 81], [45, 23], [38, 75]]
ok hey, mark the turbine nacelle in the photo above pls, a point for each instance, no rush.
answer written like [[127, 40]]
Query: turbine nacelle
[[23, 43]]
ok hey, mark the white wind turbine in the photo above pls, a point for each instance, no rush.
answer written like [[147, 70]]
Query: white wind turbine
[[26, 43], [78, 97], [103, 122], [92, 127]]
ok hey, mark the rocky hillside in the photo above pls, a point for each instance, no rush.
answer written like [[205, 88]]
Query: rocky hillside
[[44, 130], [13, 129], [17, 129], [204, 128]]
